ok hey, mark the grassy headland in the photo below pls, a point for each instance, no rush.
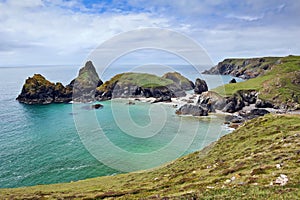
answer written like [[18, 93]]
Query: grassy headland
[[279, 84], [243, 164]]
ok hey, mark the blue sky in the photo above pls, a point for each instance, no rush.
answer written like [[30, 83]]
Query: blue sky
[[36, 32]]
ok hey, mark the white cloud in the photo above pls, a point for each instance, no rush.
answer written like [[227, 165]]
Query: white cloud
[[32, 29], [58, 31]]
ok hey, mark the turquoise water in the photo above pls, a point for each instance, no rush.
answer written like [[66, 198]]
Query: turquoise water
[[41, 145]]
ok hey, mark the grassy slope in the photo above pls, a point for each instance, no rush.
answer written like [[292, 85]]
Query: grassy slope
[[249, 154], [139, 79], [277, 82]]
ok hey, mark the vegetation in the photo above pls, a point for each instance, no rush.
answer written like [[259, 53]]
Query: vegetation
[[139, 79], [241, 165], [280, 84]]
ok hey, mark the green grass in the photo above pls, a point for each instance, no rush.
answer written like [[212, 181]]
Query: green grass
[[139, 79], [249, 154], [278, 85]]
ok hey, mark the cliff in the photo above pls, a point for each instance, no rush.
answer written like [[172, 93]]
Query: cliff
[[245, 68], [278, 87]]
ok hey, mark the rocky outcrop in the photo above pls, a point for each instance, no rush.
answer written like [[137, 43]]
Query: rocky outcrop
[[212, 101], [142, 85], [181, 81], [194, 110], [244, 68], [200, 86], [38, 90], [84, 86]]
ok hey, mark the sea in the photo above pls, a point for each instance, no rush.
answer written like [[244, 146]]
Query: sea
[[45, 144]]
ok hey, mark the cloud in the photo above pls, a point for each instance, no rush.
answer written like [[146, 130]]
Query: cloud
[[60, 31], [37, 27]]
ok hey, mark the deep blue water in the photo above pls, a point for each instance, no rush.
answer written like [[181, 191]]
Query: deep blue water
[[40, 144]]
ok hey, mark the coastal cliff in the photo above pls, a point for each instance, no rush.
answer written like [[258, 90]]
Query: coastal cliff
[[245, 68]]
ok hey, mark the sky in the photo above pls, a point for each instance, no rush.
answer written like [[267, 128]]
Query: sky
[[50, 32]]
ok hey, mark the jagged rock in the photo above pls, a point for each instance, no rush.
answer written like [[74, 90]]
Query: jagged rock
[[84, 86], [200, 86], [195, 110], [38, 90], [180, 80]]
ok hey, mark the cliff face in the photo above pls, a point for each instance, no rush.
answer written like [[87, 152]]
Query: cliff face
[[244, 68]]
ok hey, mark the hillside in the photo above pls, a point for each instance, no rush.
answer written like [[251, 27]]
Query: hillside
[[245, 68], [244, 164], [142, 84], [279, 85]]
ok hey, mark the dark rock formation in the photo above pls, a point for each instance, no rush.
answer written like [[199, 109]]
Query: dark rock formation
[[181, 81], [194, 110], [233, 104], [232, 80], [97, 106], [200, 86], [253, 113], [263, 104], [244, 68], [212, 101], [38, 90], [84, 86], [163, 99]]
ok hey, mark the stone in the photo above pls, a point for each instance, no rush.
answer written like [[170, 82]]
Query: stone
[[194, 110], [200, 86]]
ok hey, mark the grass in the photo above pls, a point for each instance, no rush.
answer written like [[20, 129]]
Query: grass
[[278, 85], [139, 79], [249, 154]]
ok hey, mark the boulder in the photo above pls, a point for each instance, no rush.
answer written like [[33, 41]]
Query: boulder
[[97, 106], [232, 80], [200, 86], [233, 104], [253, 113], [263, 104], [194, 110], [212, 101]]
